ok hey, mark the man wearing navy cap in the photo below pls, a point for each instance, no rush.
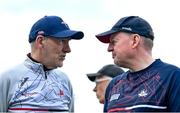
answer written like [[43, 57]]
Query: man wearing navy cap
[[37, 85], [102, 79], [150, 85]]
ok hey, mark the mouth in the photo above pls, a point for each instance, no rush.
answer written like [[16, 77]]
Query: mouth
[[62, 57], [113, 56]]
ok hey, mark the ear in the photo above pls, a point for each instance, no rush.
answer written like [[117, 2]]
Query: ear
[[39, 42], [135, 40]]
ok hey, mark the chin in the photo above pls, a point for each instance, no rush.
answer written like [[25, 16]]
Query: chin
[[60, 65], [102, 102], [116, 62]]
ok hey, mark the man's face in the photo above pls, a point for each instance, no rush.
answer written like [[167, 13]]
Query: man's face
[[100, 88], [54, 52], [120, 47]]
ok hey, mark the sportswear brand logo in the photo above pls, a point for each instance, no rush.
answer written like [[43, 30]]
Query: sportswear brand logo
[[143, 93], [65, 24], [114, 97], [61, 93], [40, 32], [127, 28]]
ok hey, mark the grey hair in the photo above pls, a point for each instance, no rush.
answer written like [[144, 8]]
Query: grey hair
[[147, 42], [32, 44]]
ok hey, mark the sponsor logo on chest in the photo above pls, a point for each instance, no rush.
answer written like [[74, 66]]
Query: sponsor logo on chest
[[114, 97]]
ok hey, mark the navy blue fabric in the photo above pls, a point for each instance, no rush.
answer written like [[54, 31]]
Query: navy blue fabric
[[129, 24], [53, 26], [157, 85]]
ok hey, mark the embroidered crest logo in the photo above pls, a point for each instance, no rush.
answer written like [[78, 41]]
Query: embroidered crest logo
[[114, 97], [143, 93]]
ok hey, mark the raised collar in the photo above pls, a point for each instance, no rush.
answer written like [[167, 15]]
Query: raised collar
[[34, 66]]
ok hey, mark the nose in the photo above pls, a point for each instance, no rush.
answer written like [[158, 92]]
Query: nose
[[66, 47], [95, 89], [110, 48]]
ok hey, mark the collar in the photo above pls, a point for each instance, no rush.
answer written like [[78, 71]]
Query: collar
[[34, 60], [147, 72], [35, 66]]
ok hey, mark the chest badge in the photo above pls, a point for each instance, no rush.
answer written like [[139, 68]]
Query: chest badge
[[114, 97], [143, 93]]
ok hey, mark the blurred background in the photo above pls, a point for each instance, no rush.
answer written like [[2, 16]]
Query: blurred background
[[92, 17]]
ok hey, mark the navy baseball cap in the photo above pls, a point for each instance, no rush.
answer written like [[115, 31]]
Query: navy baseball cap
[[129, 24], [53, 26], [109, 70]]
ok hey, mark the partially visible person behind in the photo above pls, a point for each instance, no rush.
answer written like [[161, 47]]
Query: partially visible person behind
[[102, 79], [150, 85], [37, 85]]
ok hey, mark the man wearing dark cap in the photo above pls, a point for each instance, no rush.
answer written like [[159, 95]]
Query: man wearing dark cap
[[37, 85], [102, 79], [150, 85]]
